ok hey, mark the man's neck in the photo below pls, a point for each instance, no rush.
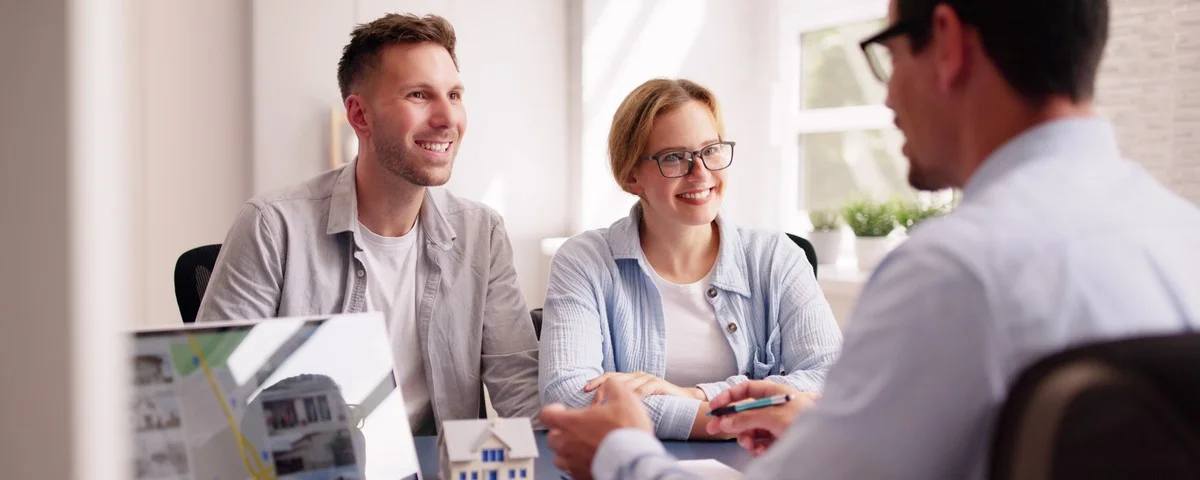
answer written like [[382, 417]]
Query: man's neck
[[387, 205], [680, 254], [1002, 118]]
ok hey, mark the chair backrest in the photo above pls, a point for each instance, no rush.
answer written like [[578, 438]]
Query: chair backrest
[[192, 271], [536, 315], [809, 251], [1114, 410]]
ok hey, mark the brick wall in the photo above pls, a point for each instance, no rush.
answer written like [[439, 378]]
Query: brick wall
[[1149, 85]]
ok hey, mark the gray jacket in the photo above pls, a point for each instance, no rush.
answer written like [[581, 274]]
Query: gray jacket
[[297, 252]]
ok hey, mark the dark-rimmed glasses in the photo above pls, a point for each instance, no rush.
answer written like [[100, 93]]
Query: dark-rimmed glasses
[[680, 163], [879, 57]]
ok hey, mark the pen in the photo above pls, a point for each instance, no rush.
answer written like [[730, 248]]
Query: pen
[[741, 407]]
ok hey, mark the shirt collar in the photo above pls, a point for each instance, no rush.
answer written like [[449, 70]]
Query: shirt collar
[[343, 212], [1092, 138], [728, 274]]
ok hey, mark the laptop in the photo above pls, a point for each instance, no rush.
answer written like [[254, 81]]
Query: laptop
[[284, 398]]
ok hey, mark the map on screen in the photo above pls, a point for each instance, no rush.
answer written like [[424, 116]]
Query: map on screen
[[288, 398]]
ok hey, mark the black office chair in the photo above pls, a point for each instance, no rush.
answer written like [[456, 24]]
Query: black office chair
[[809, 251], [192, 271], [536, 314], [1115, 410]]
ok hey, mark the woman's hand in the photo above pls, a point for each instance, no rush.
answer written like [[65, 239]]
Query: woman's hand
[[643, 385]]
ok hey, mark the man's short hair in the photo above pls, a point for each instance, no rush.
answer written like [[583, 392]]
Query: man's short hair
[[362, 54], [1041, 47]]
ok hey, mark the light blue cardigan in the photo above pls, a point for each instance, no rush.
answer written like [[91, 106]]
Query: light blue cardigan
[[603, 313]]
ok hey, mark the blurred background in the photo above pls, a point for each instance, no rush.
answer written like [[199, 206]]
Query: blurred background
[[133, 129]]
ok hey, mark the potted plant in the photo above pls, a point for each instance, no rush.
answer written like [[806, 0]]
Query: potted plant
[[871, 223], [826, 235], [911, 213]]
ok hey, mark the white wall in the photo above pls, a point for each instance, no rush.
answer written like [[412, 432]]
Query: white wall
[[1147, 85], [64, 200], [728, 47], [191, 89], [513, 60]]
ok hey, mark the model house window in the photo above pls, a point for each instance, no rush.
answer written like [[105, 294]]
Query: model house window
[[522, 473], [493, 455]]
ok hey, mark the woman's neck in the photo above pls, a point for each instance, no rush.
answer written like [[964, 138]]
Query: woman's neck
[[681, 254]]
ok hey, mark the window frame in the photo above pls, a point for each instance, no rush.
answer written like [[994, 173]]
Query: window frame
[[796, 18]]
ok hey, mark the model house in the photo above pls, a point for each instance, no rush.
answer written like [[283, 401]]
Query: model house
[[496, 449]]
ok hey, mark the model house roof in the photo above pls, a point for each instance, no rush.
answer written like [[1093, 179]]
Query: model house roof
[[464, 438]]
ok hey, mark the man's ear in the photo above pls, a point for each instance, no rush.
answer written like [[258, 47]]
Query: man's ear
[[356, 115], [947, 41]]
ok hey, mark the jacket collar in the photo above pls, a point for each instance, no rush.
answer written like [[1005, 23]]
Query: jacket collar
[[729, 273]]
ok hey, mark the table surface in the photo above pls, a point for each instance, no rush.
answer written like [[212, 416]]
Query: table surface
[[726, 452]]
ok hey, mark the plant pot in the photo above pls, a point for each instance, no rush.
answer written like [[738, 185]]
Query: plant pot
[[828, 244], [870, 251]]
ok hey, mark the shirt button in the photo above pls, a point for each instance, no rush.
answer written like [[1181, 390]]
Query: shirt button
[[712, 292], [732, 327], [360, 273]]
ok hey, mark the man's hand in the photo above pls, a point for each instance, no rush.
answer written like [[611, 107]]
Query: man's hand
[[576, 434], [643, 385], [757, 430]]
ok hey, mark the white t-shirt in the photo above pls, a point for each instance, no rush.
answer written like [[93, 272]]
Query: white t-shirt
[[393, 264], [697, 351]]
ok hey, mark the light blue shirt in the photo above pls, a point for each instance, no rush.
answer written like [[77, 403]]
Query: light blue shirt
[[1058, 241], [603, 313]]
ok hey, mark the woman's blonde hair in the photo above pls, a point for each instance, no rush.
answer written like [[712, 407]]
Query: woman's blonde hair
[[635, 117]]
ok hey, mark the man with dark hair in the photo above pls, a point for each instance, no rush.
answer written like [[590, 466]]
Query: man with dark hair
[[1058, 241], [376, 235]]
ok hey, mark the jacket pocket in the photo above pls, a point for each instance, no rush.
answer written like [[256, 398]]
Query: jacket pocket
[[765, 364]]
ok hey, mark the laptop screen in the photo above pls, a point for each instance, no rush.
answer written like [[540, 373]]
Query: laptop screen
[[288, 398]]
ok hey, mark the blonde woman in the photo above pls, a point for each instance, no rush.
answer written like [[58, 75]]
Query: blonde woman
[[673, 296]]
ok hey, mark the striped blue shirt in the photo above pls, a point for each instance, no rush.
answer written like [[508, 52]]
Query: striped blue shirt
[[603, 313]]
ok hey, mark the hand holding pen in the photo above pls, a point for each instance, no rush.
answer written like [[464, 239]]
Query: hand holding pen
[[771, 401], [758, 412]]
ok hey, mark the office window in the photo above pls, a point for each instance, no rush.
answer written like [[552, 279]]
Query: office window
[[847, 143]]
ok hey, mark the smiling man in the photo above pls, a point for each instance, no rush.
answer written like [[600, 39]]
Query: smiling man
[[375, 235]]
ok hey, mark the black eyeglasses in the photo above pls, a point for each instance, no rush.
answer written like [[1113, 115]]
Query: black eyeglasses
[[680, 163], [879, 57]]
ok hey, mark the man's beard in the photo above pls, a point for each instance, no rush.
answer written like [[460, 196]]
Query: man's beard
[[396, 159]]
